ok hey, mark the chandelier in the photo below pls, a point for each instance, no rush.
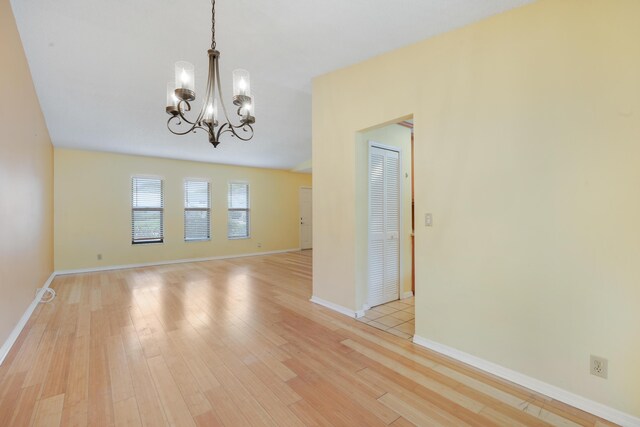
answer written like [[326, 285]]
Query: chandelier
[[181, 93]]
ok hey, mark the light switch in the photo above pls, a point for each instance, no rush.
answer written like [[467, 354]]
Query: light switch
[[428, 220]]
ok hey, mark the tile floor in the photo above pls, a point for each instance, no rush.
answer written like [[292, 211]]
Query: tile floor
[[395, 317]]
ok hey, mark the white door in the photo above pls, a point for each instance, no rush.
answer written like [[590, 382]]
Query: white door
[[384, 225], [306, 219]]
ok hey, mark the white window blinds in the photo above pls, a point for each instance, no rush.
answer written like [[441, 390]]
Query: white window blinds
[[238, 213], [197, 211], [147, 210]]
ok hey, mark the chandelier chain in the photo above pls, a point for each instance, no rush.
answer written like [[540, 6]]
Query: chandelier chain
[[213, 24]]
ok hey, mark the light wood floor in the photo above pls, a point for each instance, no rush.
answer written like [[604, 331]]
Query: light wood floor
[[237, 343]]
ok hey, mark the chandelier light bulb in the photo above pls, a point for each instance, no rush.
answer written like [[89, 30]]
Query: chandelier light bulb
[[214, 110], [209, 114], [172, 100], [248, 111], [241, 85], [185, 81], [248, 108]]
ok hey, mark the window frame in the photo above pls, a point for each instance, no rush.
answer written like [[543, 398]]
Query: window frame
[[161, 240], [186, 209], [247, 210]]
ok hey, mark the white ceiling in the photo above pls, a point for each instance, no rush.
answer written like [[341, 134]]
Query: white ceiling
[[100, 67]]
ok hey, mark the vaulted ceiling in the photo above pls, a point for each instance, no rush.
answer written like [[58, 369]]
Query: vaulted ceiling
[[100, 67]]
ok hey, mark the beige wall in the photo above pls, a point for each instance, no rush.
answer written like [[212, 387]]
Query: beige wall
[[527, 154], [399, 137], [26, 182], [93, 209]]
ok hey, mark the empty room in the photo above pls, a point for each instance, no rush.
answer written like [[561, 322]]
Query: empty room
[[295, 213]]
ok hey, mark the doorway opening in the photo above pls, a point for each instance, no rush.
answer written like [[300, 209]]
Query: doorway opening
[[390, 282], [306, 218]]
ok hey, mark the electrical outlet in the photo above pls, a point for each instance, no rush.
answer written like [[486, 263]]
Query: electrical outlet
[[259, 245], [99, 257], [599, 367]]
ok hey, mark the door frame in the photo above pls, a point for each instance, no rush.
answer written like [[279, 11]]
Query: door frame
[[304, 187], [371, 143]]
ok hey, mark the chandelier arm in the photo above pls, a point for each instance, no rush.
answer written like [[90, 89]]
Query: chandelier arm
[[193, 127], [182, 110], [222, 129], [244, 127]]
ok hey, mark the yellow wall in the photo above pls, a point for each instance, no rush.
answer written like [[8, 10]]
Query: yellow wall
[[93, 209], [395, 136], [527, 154], [26, 175]]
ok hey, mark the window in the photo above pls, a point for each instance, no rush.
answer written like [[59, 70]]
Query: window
[[197, 211], [146, 210], [238, 215]]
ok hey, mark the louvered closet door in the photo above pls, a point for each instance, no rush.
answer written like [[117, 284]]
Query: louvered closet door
[[384, 225]]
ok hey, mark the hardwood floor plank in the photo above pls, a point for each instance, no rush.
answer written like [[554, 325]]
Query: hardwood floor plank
[[225, 409], [253, 411], [421, 379], [27, 352], [76, 414], [149, 406], [77, 388], [308, 414], [49, 412], [58, 373], [417, 415], [9, 395], [278, 387], [174, 405], [276, 409], [208, 419], [332, 402], [100, 402], [402, 422], [25, 407], [197, 366], [119, 375], [126, 413], [38, 371]]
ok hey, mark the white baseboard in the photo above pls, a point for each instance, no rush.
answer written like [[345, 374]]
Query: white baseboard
[[15, 333], [405, 295], [595, 408], [335, 307], [176, 261]]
